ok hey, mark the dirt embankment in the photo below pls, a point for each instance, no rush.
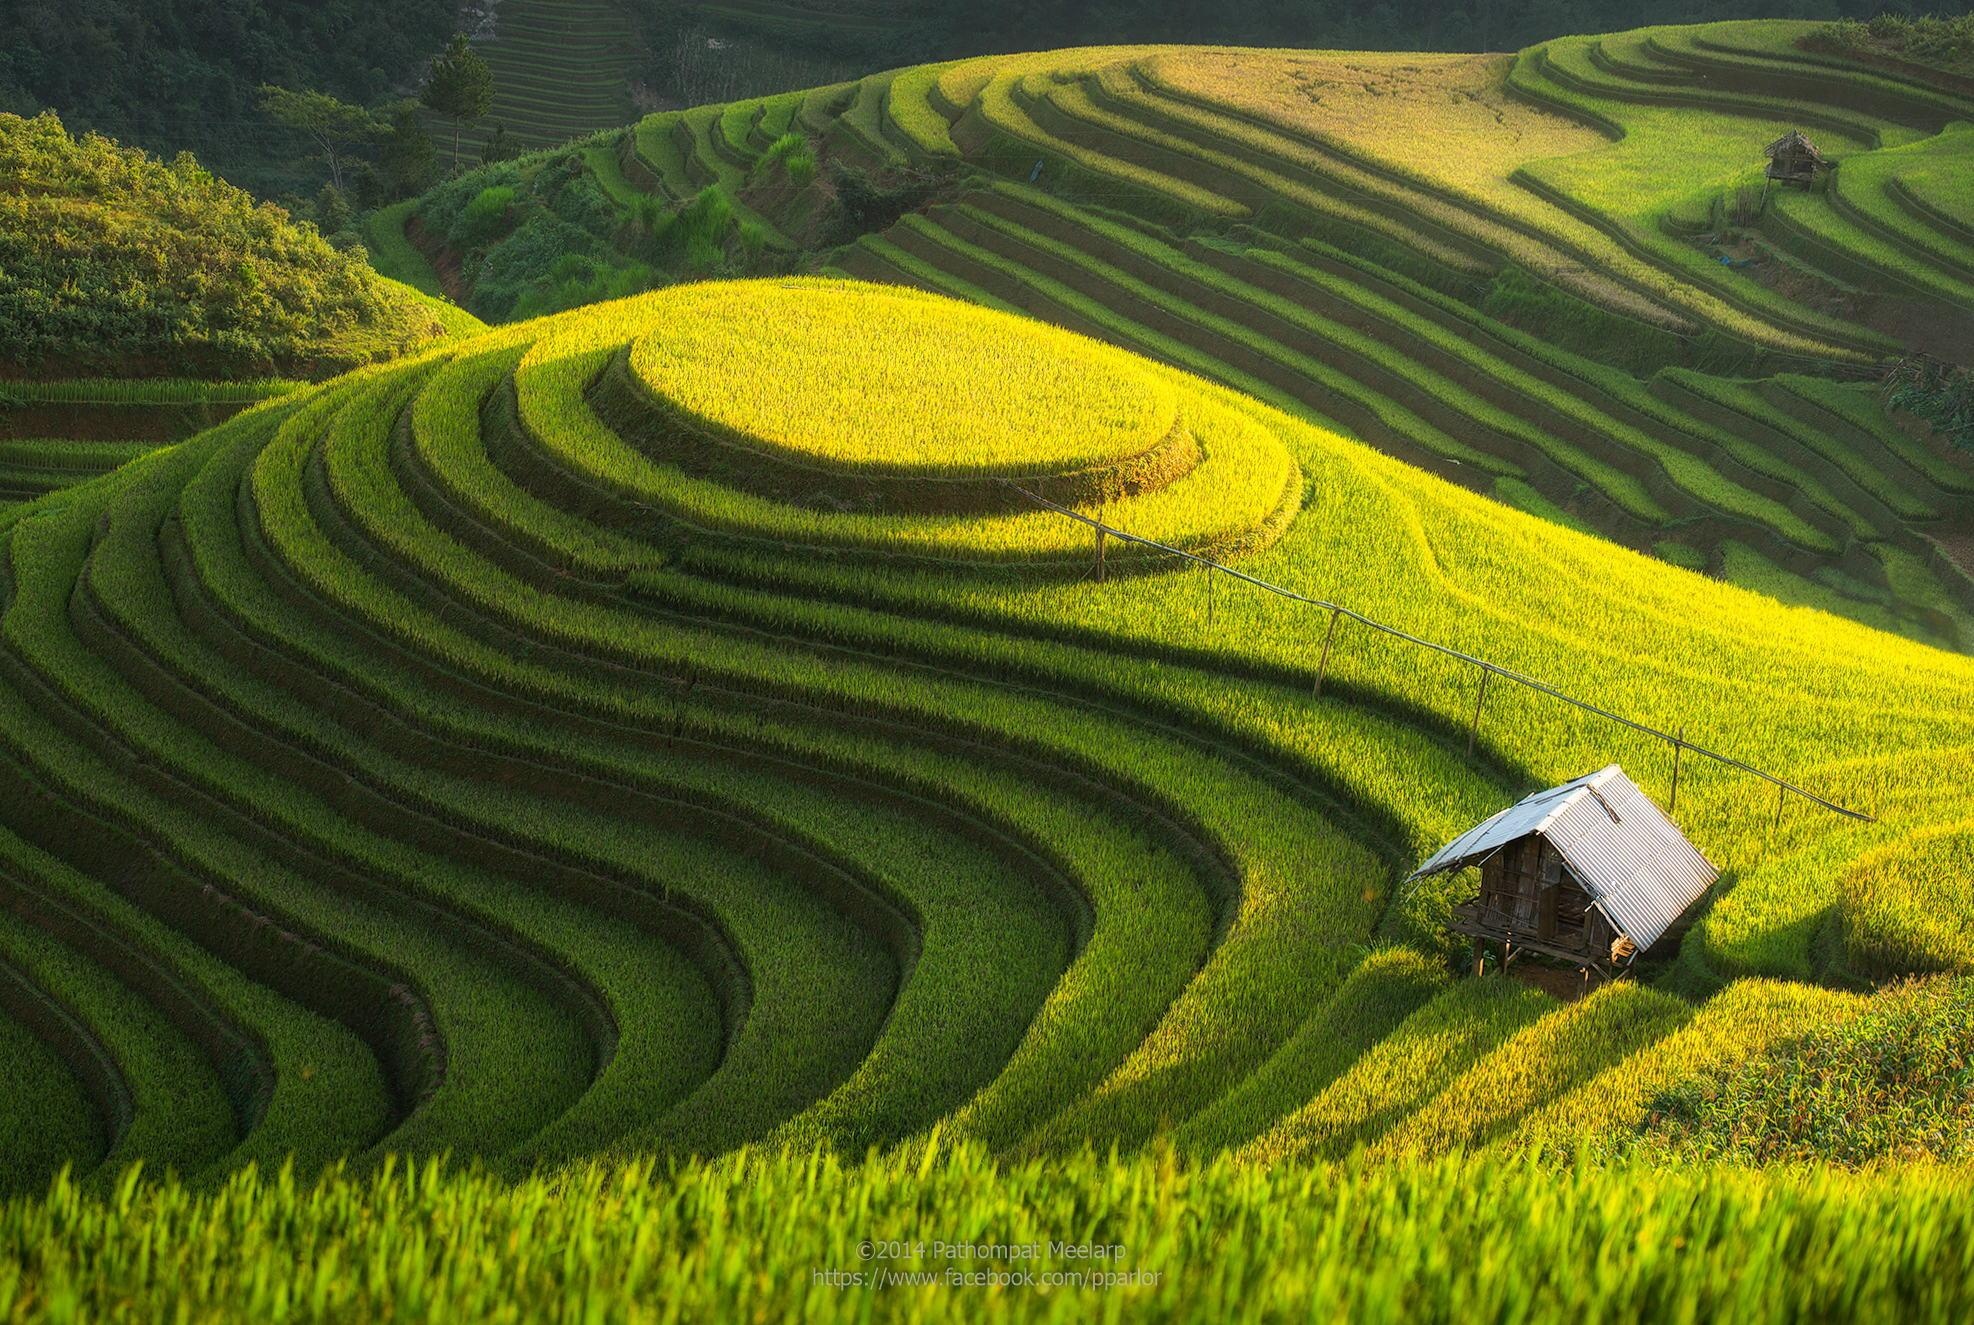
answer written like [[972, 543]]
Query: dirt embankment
[[445, 263]]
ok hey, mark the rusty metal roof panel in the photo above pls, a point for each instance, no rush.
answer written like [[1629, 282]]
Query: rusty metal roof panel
[[1632, 860]]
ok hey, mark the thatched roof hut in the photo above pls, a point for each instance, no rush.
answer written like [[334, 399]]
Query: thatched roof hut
[[1793, 159]]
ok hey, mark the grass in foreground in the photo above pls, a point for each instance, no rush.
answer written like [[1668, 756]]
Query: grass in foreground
[[787, 1236]]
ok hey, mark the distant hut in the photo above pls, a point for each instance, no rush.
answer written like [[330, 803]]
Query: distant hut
[[1793, 159], [1591, 872]]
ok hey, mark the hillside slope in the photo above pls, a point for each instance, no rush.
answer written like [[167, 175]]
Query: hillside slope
[[581, 739], [142, 301], [1571, 293]]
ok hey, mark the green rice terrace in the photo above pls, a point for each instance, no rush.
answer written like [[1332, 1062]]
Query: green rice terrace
[[1556, 277], [924, 726], [507, 753], [561, 70]]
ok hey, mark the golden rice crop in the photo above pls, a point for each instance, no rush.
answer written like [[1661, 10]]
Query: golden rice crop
[[1244, 488], [890, 379]]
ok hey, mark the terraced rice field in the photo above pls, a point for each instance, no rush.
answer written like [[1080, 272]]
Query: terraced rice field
[[1679, 98], [561, 70], [57, 434], [1546, 296], [538, 749], [675, 758]]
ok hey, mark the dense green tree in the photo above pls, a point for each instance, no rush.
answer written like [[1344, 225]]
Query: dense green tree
[[334, 127], [459, 86], [407, 162], [498, 147]]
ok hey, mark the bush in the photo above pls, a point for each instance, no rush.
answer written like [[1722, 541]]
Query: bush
[[442, 209], [483, 218], [543, 242], [578, 281], [694, 237], [579, 201], [1947, 42], [1939, 393], [794, 155]]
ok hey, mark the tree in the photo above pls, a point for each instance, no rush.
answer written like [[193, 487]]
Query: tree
[[458, 86], [332, 210], [405, 159], [497, 148], [333, 126]]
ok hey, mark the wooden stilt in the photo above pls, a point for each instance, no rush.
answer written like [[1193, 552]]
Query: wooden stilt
[[1329, 638], [1678, 747], [1473, 728]]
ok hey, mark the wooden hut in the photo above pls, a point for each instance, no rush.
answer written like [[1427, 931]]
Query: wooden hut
[[1591, 872], [1793, 159]]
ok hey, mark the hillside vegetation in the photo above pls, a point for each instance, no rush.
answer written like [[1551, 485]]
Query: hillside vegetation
[[1569, 291], [178, 75], [108, 256], [141, 301], [720, 50]]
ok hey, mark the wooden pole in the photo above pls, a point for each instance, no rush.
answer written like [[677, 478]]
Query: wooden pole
[[1473, 728], [1100, 554], [1329, 637], [1780, 792], [1678, 747], [1209, 597]]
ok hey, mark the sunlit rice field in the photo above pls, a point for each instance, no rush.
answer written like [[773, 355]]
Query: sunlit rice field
[[687, 807]]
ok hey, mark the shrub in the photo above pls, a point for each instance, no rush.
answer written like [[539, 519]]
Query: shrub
[[539, 243], [694, 237], [1939, 393], [796, 158], [483, 218], [1948, 42], [583, 204]]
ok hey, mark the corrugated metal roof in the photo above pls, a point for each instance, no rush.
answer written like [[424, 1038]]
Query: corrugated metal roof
[[1631, 858]]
